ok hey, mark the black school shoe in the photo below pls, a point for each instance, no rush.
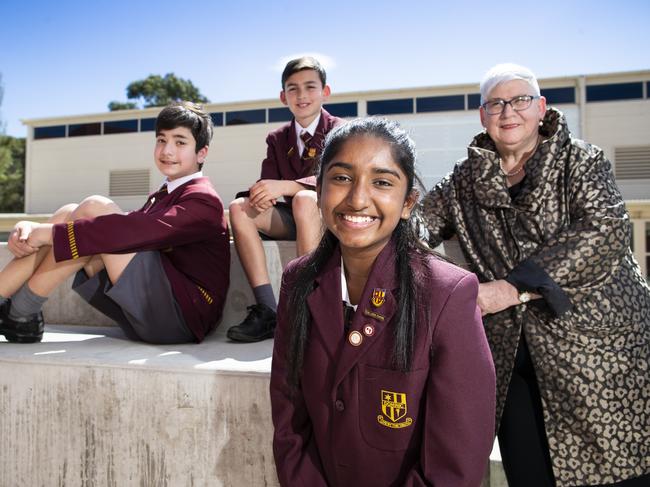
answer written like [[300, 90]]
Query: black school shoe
[[22, 330], [257, 326]]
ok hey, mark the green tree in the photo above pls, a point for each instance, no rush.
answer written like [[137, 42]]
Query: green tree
[[12, 174], [122, 105], [156, 91], [12, 169]]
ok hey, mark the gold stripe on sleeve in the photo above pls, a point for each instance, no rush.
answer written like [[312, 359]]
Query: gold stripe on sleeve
[[72, 241], [205, 295]]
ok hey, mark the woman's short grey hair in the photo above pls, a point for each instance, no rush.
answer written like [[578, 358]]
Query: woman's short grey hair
[[507, 72]]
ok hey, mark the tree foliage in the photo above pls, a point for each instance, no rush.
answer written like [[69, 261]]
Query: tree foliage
[[122, 105], [156, 91], [12, 174], [12, 170]]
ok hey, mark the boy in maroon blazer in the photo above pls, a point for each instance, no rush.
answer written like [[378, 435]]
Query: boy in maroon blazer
[[287, 171], [160, 272]]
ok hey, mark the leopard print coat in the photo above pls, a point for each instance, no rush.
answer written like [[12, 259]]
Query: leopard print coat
[[593, 362]]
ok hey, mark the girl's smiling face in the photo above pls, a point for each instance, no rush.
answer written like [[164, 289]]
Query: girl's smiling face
[[363, 195]]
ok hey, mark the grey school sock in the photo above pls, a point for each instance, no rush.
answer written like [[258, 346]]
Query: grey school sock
[[25, 303], [264, 295]]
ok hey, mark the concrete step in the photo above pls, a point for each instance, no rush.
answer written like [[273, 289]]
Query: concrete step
[[65, 307], [87, 407]]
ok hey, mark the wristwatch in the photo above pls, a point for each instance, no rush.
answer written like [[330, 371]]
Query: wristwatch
[[524, 297]]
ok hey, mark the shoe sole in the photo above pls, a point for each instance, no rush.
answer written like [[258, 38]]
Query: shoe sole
[[239, 337], [22, 338]]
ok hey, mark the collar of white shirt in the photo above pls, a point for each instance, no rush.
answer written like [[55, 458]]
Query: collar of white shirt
[[172, 185], [345, 294], [311, 129]]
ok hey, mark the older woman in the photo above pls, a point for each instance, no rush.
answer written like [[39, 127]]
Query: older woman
[[566, 310]]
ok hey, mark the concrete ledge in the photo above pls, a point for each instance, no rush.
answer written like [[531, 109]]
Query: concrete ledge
[[65, 307], [87, 407]]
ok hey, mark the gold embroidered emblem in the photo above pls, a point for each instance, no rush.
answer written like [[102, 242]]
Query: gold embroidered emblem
[[378, 297], [393, 405]]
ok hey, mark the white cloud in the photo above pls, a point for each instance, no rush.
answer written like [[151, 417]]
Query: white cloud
[[327, 61]]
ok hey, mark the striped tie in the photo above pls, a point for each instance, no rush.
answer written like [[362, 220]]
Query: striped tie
[[307, 152]]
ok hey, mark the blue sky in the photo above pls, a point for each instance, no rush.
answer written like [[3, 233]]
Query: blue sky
[[73, 57]]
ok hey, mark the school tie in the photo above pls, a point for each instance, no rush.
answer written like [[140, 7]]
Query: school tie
[[157, 196], [348, 314], [306, 138]]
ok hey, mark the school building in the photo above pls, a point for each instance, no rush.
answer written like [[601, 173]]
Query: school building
[[74, 156]]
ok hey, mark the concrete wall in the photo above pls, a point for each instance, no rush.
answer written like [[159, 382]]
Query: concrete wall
[[115, 426]]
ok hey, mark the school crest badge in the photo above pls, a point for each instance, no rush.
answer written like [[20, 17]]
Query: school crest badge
[[311, 153], [394, 408], [378, 297]]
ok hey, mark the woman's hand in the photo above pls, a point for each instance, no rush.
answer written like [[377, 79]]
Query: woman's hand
[[495, 296], [27, 237]]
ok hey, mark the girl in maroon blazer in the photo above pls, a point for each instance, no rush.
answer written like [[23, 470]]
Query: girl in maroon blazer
[[381, 373]]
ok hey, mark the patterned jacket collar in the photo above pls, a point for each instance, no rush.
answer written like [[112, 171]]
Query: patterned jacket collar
[[489, 181]]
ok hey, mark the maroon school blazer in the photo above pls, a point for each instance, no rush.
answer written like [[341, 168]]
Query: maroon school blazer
[[282, 158], [355, 421], [189, 229]]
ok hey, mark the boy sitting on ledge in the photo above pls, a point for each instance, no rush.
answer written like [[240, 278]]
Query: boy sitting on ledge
[[160, 272], [287, 172]]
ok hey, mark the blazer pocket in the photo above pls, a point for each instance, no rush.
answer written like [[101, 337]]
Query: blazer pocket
[[389, 406]]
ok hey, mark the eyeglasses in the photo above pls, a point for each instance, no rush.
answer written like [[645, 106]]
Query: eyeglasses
[[518, 103]]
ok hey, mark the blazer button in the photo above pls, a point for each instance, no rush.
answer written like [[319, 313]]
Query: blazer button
[[339, 405]]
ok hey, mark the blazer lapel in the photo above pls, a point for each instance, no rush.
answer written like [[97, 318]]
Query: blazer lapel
[[371, 320], [326, 306], [293, 156]]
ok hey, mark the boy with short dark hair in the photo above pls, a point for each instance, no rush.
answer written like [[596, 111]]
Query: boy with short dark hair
[[160, 272], [287, 172]]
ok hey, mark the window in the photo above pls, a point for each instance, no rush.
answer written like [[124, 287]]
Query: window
[[281, 114], [555, 96], [473, 101], [343, 110], [147, 124], [616, 91], [51, 132], [120, 126], [390, 107], [217, 118], [246, 116], [79, 129], [440, 103]]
